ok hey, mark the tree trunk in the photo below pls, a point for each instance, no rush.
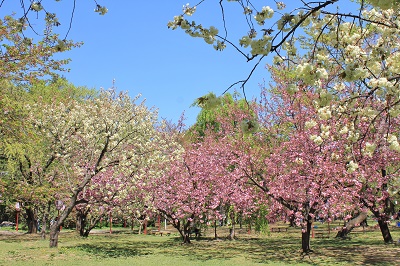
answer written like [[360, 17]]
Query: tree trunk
[[32, 220], [44, 227], [186, 236], [292, 221], [305, 237], [186, 232], [78, 223], [351, 224], [44, 220], [54, 231], [215, 230], [81, 217], [232, 231], [140, 228], [92, 224], [383, 225]]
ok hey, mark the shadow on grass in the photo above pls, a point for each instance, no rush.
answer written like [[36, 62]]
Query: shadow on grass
[[288, 251], [111, 250], [365, 249]]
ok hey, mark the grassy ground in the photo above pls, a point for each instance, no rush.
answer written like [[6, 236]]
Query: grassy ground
[[126, 248]]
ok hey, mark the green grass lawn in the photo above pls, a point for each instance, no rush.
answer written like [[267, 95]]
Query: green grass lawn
[[126, 248]]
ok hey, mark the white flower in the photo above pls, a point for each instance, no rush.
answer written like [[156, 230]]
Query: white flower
[[324, 113], [393, 143], [299, 161], [322, 73], [245, 41], [369, 149], [351, 167], [344, 130], [317, 139], [310, 124], [266, 13], [334, 156], [339, 86], [280, 5], [187, 10]]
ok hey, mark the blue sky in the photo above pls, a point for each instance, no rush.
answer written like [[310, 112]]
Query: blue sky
[[133, 45]]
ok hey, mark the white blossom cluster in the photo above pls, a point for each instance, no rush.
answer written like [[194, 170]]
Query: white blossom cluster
[[369, 149], [342, 58], [324, 113], [310, 74], [188, 10], [317, 139], [299, 161], [280, 5], [310, 124], [352, 166], [393, 142], [208, 34], [266, 13]]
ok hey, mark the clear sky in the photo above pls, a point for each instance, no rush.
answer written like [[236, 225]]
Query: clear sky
[[133, 45]]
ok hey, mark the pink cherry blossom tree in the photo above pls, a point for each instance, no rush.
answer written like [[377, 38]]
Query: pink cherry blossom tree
[[322, 162], [197, 183]]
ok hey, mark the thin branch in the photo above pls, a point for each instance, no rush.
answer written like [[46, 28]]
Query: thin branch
[[234, 46], [273, 48], [247, 79], [360, 18], [70, 22], [223, 20]]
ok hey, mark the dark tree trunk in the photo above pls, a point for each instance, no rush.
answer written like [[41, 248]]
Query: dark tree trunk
[[383, 217], [82, 225], [92, 224], [383, 225], [81, 217], [232, 229], [305, 237], [186, 236], [215, 230], [184, 230], [32, 220], [78, 223], [351, 224], [292, 220]]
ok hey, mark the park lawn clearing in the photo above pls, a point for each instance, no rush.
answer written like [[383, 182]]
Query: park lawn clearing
[[126, 248]]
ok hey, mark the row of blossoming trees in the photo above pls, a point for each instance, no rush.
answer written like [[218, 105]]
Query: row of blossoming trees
[[328, 139], [99, 152], [288, 152], [83, 148], [322, 140]]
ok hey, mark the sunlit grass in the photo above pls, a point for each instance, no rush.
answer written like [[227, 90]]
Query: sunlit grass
[[126, 248]]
